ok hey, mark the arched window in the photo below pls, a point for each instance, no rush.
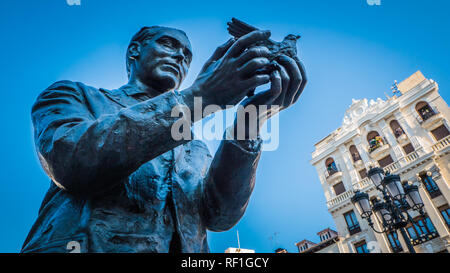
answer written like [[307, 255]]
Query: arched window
[[355, 154], [374, 140], [331, 166], [425, 111], [396, 128]]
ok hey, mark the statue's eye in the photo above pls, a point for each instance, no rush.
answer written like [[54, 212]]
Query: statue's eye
[[167, 43]]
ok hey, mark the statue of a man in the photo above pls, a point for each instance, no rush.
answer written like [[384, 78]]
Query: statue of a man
[[119, 181]]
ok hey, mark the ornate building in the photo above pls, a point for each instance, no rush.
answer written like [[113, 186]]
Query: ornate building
[[407, 134]]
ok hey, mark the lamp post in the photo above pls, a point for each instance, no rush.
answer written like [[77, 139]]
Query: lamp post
[[392, 211]]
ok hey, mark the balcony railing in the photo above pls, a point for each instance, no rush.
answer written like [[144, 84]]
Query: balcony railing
[[361, 184], [427, 115], [411, 157], [443, 143], [424, 238], [331, 170], [340, 198], [354, 229], [392, 167]]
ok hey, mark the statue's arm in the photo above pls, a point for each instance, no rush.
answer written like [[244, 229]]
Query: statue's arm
[[229, 183], [85, 154]]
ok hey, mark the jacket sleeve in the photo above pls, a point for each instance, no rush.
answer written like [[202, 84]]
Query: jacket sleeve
[[84, 154], [229, 183]]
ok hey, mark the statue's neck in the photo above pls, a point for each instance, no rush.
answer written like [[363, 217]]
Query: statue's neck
[[148, 90]]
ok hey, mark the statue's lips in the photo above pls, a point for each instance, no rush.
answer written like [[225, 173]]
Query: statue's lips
[[172, 67]]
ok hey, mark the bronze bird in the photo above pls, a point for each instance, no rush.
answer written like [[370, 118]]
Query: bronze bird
[[288, 46]]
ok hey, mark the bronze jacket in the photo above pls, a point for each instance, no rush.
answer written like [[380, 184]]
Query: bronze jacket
[[121, 183]]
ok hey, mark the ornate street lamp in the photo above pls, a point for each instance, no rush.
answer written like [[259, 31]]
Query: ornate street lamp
[[361, 201], [382, 213], [376, 175], [394, 186], [413, 197], [392, 213]]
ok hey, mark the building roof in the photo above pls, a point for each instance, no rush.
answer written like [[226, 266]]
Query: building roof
[[326, 230], [305, 241]]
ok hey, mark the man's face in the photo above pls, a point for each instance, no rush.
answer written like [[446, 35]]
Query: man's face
[[164, 60]]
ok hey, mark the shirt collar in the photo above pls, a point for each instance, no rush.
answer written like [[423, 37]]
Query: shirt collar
[[131, 91]]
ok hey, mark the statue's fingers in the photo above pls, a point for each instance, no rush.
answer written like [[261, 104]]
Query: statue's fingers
[[295, 77], [284, 83], [254, 52], [247, 40], [255, 81], [252, 66], [304, 79], [221, 50]]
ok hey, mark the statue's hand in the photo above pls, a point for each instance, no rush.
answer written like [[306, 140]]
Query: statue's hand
[[287, 83], [230, 73]]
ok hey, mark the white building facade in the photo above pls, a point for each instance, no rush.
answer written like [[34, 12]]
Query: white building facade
[[407, 134]]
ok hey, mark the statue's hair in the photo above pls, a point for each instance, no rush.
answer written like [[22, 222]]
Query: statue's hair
[[142, 35]]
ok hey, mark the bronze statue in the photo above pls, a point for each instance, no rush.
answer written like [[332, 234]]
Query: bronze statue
[[119, 181]]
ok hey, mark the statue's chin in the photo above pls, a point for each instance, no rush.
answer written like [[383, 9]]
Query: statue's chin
[[164, 83]]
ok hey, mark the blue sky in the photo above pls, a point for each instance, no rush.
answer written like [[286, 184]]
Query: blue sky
[[350, 50]]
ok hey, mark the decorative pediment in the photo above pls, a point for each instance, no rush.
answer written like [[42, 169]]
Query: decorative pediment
[[360, 109]]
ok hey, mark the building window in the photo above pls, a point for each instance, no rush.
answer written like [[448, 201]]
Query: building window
[[339, 188], [352, 222], [430, 185], [361, 247], [394, 242], [331, 166], [355, 154], [363, 173], [421, 231], [385, 161], [408, 149], [375, 141], [425, 111], [445, 212], [396, 128], [440, 132]]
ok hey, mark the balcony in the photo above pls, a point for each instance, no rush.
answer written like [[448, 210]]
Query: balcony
[[333, 173], [411, 157], [424, 238], [402, 139], [378, 148], [340, 198], [442, 144], [391, 168], [431, 120], [362, 184]]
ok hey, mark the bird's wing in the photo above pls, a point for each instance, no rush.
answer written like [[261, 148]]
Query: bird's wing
[[237, 28]]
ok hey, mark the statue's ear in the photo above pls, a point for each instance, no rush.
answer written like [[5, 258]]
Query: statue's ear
[[134, 50]]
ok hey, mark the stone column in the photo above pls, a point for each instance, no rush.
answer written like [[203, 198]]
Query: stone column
[[345, 155], [362, 151], [387, 132], [409, 132]]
